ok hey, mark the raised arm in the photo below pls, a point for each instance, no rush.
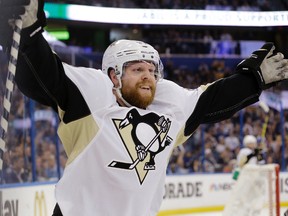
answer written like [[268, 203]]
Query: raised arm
[[40, 74], [225, 97]]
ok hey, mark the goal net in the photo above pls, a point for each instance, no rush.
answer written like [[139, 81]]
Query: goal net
[[256, 192]]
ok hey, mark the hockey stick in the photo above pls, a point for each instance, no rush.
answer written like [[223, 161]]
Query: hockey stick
[[266, 109], [9, 87], [130, 166]]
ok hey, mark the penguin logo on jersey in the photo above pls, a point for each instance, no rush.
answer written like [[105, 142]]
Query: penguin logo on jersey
[[144, 137]]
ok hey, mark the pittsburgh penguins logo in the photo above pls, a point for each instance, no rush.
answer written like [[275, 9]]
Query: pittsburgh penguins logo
[[144, 137]]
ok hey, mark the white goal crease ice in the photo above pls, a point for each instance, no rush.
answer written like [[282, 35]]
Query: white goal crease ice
[[256, 192]]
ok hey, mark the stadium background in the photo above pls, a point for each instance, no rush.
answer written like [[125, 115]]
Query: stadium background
[[192, 55]]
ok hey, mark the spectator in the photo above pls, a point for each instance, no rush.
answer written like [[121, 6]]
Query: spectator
[[17, 172]]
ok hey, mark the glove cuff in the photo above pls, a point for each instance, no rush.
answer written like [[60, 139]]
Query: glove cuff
[[257, 74], [254, 62], [28, 34]]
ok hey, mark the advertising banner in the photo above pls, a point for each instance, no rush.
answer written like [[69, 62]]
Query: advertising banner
[[183, 193]]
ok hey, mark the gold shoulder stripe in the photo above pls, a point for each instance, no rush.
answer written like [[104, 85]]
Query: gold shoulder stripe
[[181, 138], [76, 135]]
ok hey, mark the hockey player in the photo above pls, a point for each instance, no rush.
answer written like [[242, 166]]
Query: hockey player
[[249, 154], [120, 125]]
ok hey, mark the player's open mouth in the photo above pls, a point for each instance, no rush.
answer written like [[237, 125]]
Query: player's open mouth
[[145, 88]]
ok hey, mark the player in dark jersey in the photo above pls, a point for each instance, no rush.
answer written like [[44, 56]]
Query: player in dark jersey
[[120, 124]]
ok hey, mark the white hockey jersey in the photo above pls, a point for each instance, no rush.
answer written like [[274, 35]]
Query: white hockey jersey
[[104, 176]]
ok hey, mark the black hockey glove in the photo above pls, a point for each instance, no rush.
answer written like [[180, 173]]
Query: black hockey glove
[[9, 11], [256, 153], [259, 154], [267, 66], [31, 13]]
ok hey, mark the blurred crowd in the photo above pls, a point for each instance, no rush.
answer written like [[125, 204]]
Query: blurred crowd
[[189, 41], [212, 148], [222, 142]]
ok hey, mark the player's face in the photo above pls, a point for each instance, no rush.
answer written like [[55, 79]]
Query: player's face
[[139, 83]]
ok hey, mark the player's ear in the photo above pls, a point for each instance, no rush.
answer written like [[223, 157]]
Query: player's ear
[[113, 77]]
